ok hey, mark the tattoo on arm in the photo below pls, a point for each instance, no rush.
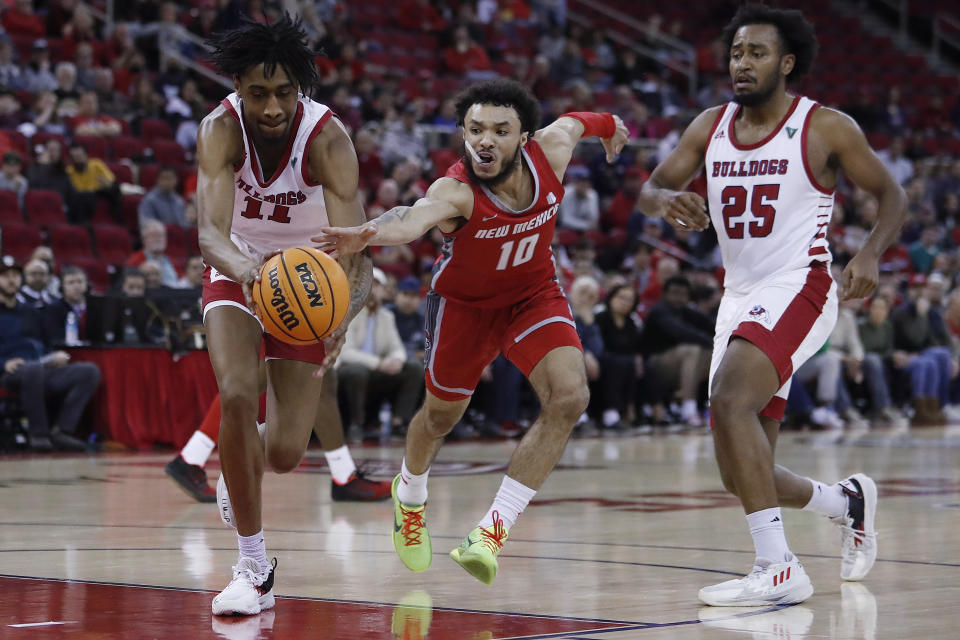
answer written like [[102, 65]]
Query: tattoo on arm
[[397, 214], [359, 268]]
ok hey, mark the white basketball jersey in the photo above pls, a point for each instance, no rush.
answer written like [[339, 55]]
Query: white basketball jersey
[[272, 213], [770, 214]]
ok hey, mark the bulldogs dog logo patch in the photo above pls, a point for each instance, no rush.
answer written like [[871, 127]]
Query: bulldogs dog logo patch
[[759, 314]]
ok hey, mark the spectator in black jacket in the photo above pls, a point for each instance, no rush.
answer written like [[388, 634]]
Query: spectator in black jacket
[[56, 315], [678, 341], [406, 311], [621, 364], [34, 372]]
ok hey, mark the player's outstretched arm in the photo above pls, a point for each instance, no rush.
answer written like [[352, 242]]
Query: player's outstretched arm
[[852, 154], [445, 201], [333, 163], [219, 146], [663, 195], [559, 138]]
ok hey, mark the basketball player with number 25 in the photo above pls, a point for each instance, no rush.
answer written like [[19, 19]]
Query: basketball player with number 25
[[493, 290], [772, 161], [274, 168]]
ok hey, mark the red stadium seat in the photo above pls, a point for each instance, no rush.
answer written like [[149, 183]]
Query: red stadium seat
[[96, 146], [154, 129], [130, 208], [121, 171], [567, 237], [42, 137], [44, 208], [113, 243], [102, 213], [98, 275], [169, 152], [176, 243], [70, 242], [19, 240], [126, 147], [10, 208], [148, 176], [19, 143], [192, 240]]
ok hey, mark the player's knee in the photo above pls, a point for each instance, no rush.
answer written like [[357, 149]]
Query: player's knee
[[283, 459], [570, 402], [724, 403], [439, 421]]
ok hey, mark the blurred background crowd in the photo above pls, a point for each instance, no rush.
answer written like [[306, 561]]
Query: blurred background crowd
[[99, 108]]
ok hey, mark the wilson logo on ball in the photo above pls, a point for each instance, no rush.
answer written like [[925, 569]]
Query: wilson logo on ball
[[309, 286], [279, 301]]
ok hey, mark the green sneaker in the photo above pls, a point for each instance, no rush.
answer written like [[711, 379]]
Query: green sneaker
[[410, 537], [479, 550]]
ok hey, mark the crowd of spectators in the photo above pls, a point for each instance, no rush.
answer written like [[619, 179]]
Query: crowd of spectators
[[644, 294]]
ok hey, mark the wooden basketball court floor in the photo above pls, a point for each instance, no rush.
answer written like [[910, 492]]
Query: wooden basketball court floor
[[615, 547]]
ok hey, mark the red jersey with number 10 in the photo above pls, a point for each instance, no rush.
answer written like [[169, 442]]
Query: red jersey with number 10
[[501, 256]]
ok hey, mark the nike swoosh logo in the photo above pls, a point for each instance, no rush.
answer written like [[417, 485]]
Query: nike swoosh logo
[[489, 218]]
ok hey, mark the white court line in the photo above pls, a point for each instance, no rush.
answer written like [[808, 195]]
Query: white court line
[[49, 623]]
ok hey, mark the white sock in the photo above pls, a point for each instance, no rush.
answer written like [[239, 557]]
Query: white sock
[[412, 488], [766, 527], [262, 430], [341, 464], [610, 417], [688, 409], [254, 547], [511, 500], [827, 500], [198, 449]]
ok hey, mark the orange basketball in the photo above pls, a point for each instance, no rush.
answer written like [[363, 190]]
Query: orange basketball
[[302, 296]]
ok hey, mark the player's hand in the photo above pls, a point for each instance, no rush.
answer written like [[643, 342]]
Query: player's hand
[[11, 365], [332, 347], [341, 241], [687, 210], [248, 277], [59, 358], [614, 144], [860, 277]]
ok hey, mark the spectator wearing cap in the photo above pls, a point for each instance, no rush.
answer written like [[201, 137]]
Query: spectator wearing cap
[[373, 366], [580, 207], [38, 72], [36, 372], [920, 341], [36, 278], [409, 317], [11, 177], [163, 204]]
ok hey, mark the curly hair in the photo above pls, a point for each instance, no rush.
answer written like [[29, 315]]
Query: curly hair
[[283, 43], [502, 92], [797, 35]]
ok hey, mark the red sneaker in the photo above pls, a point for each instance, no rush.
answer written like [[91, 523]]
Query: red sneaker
[[360, 489]]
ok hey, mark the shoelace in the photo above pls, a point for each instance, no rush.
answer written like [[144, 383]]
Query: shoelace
[[256, 579], [495, 535], [412, 525]]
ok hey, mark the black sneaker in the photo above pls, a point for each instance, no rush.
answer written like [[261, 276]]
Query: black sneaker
[[40, 444], [192, 479], [66, 442], [360, 489]]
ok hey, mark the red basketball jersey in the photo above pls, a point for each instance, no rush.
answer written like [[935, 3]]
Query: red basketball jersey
[[501, 256]]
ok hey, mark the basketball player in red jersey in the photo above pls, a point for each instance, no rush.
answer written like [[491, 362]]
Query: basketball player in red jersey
[[493, 290], [772, 161], [274, 168]]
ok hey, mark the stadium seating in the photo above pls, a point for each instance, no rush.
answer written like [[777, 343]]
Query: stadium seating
[[9, 208], [113, 243], [44, 208]]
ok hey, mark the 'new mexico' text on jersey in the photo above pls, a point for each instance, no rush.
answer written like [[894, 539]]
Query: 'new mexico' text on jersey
[[770, 214], [501, 256], [286, 209]]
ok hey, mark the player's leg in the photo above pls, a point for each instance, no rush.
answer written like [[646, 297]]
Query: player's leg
[[187, 468], [347, 483], [233, 339], [292, 408]]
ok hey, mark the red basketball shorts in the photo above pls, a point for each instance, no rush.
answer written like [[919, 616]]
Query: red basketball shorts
[[220, 291], [461, 340]]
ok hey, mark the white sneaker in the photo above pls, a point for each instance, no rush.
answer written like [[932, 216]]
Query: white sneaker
[[952, 413], [223, 500], [858, 545], [894, 416], [826, 418], [855, 420], [769, 583], [250, 591]]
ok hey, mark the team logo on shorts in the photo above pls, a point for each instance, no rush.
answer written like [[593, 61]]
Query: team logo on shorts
[[759, 314]]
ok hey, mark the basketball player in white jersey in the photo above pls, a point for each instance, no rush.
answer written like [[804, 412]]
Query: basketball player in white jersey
[[772, 160], [274, 167]]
